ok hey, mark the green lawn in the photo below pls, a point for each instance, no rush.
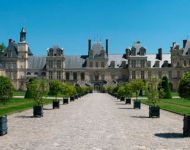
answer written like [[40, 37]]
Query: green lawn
[[17, 105], [174, 93], [19, 93], [179, 106]]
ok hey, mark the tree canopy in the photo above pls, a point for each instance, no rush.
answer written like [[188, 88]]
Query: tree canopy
[[184, 86]]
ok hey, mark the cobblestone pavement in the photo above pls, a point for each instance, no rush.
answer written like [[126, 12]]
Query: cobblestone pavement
[[94, 122]]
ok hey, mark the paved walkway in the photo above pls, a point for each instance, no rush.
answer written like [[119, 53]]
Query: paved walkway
[[94, 122]]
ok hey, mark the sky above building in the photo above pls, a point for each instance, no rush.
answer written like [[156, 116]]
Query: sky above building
[[70, 23]]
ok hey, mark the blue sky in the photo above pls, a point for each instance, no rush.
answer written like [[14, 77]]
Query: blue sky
[[69, 23]]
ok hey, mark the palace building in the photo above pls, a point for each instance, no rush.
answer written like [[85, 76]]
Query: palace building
[[97, 68]]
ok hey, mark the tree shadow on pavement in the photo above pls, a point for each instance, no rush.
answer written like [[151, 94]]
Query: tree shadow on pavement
[[125, 108], [24, 116], [169, 135], [47, 108], [139, 116]]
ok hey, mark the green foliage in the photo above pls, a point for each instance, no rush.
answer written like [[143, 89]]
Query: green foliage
[[115, 89], [38, 89], [55, 88], [109, 89], [28, 93], [152, 91], [2, 48], [125, 90], [6, 89], [166, 88], [184, 86], [136, 86], [68, 90]]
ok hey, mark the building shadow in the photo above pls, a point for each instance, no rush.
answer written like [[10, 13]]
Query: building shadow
[[139, 116], [169, 135]]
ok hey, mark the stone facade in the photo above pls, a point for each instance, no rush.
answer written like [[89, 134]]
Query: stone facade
[[97, 68]]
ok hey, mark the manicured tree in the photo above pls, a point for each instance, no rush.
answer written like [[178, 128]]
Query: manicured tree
[[166, 88], [28, 93], [38, 89], [2, 48], [152, 91], [136, 86], [55, 88], [125, 90], [184, 86], [6, 89]]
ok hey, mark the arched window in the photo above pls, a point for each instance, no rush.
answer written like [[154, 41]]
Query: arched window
[[43, 74], [36, 73]]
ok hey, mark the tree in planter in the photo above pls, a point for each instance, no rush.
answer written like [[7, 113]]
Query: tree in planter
[[6, 89], [55, 88], [38, 89], [125, 91], [28, 94], [166, 88], [184, 86], [6, 92], [152, 93], [136, 86]]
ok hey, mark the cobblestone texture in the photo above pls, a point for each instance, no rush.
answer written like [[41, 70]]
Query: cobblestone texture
[[94, 122]]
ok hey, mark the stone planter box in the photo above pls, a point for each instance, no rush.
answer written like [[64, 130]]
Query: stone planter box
[[128, 101], [55, 104], [137, 104], [65, 101], [122, 98], [3, 125], [154, 111], [186, 126], [38, 111]]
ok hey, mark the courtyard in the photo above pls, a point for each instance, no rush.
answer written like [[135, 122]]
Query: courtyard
[[96, 121]]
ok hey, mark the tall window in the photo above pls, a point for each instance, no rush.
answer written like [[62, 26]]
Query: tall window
[[102, 64], [50, 64], [103, 77], [74, 75], [59, 75], [133, 75], [142, 63], [170, 74], [96, 64], [82, 75], [67, 75], [149, 74], [142, 74], [133, 63], [50, 75], [178, 74], [59, 64], [91, 64]]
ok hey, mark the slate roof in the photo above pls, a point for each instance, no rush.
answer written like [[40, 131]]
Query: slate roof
[[187, 47], [35, 62], [152, 58], [118, 58], [72, 62]]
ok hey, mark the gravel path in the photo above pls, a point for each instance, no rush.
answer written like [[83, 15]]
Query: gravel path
[[94, 122]]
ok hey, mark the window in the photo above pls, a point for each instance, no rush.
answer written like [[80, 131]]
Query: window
[[133, 75], [178, 74], [28, 73], [170, 74], [149, 75], [36, 73], [82, 75], [59, 64], [96, 64], [103, 77], [50, 64], [59, 75], [91, 64], [75, 76], [67, 75], [185, 63], [142, 74], [102, 64], [133, 63], [50, 75], [142, 63], [113, 77], [160, 74]]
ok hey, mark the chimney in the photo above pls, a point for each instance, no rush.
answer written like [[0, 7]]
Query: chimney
[[89, 44], [160, 53], [184, 43], [107, 46]]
